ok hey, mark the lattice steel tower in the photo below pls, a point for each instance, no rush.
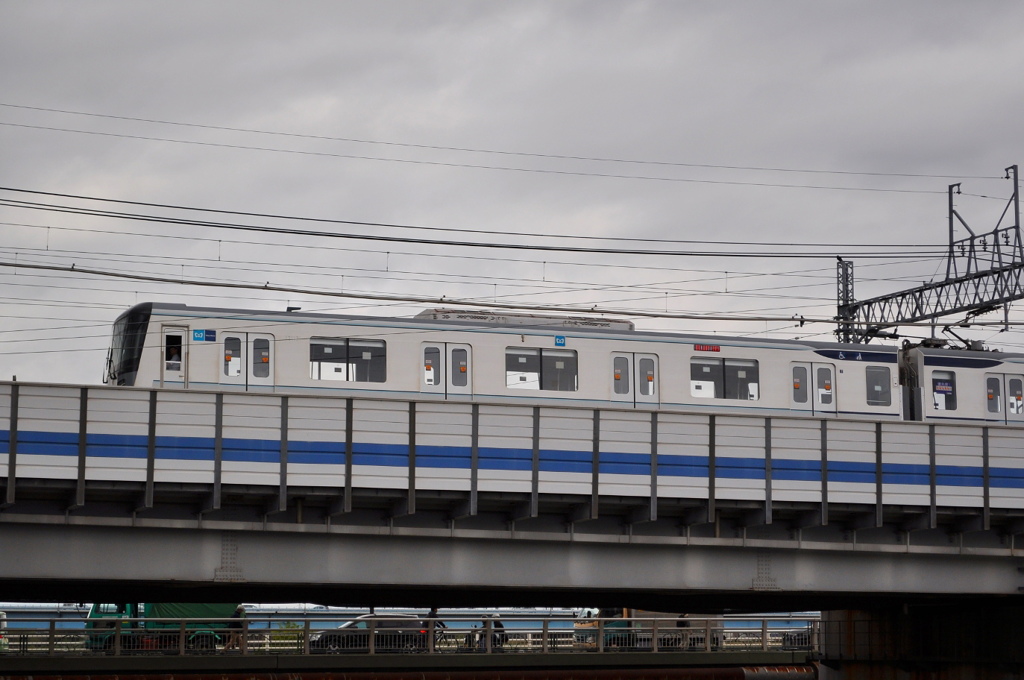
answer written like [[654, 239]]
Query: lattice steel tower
[[983, 272]]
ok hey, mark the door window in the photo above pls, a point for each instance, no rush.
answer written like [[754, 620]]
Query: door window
[[824, 378], [172, 352], [647, 377], [620, 375], [1015, 395], [877, 379], [431, 366], [261, 358], [800, 384], [993, 392], [944, 390], [460, 367], [232, 357]]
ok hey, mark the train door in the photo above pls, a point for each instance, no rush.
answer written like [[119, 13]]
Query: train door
[[1004, 396], [248, 360], [174, 363], [814, 388], [447, 369], [635, 378]]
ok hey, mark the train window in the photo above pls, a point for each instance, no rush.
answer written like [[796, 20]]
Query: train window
[[878, 385], [260, 358], [367, 361], [1016, 395], [724, 378], [541, 369], [431, 365], [558, 370], [232, 357], [944, 390], [352, 360], [800, 384], [620, 375], [460, 367], [646, 370], [173, 352], [741, 379], [706, 379], [328, 359], [993, 389], [522, 368]]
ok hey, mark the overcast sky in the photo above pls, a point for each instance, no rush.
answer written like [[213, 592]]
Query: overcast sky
[[822, 128]]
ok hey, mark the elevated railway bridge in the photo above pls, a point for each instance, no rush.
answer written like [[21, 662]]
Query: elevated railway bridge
[[145, 495]]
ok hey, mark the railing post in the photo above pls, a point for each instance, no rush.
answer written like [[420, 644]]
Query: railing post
[[181, 638], [764, 634], [654, 635], [487, 636], [431, 627], [51, 643], [545, 641], [117, 638], [371, 643], [243, 644], [305, 637]]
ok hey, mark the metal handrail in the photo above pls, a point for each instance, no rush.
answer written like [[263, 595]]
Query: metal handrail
[[399, 635]]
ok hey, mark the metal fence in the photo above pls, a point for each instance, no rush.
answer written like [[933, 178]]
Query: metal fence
[[402, 635]]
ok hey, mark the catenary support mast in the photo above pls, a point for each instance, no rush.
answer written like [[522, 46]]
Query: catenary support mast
[[983, 272]]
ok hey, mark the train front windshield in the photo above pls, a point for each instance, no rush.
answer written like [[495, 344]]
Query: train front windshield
[[126, 345]]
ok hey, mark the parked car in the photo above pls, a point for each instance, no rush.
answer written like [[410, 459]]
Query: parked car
[[391, 633]]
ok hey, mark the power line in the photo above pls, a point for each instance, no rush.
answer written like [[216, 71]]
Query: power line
[[434, 301], [828, 273], [472, 166], [436, 147], [29, 205], [465, 231]]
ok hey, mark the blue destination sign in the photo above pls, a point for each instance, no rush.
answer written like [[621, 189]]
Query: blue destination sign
[[204, 336]]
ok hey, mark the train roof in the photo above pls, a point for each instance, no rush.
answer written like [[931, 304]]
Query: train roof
[[498, 320]]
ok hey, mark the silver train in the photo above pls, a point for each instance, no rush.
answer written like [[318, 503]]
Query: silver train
[[550, 361]]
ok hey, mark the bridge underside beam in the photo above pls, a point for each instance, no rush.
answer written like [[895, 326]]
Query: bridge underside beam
[[68, 562]]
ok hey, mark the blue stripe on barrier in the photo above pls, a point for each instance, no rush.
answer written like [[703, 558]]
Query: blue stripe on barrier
[[386, 455], [316, 453], [556, 460], [444, 457], [670, 465], [551, 460], [731, 467], [251, 451], [1006, 478], [504, 459], [48, 443], [610, 462], [855, 473]]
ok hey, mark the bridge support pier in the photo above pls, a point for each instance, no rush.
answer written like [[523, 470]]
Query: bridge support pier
[[910, 642]]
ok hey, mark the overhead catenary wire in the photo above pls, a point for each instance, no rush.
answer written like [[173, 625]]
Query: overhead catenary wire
[[828, 273], [441, 301], [440, 242]]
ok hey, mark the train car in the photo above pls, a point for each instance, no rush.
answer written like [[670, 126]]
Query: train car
[[956, 385], [501, 358]]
